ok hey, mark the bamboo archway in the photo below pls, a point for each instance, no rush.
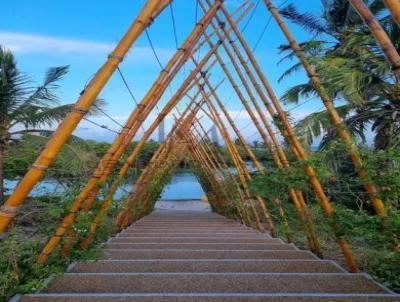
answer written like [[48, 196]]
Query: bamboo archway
[[217, 31]]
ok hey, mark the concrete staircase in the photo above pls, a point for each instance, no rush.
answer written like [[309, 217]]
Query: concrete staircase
[[200, 256]]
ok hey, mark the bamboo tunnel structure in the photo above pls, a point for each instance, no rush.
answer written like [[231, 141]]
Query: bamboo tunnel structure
[[215, 42]]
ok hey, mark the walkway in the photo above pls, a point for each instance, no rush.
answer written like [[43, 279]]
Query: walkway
[[196, 256]]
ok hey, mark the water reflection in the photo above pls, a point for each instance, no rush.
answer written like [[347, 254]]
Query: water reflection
[[184, 185]]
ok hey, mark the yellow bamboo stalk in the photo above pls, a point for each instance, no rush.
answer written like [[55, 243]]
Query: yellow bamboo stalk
[[105, 204], [222, 167], [152, 97], [381, 37], [209, 156], [127, 210], [144, 200], [101, 175], [394, 8], [335, 118], [134, 199], [151, 9], [209, 168], [242, 170], [125, 218]]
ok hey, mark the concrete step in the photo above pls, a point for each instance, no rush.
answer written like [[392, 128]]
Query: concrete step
[[204, 254], [209, 298], [212, 266], [201, 222], [191, 231], [200, 246], [191, 235], [213, 283], [188, 240], [228, 229]]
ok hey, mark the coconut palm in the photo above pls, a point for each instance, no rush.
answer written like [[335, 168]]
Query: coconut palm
[[353, 69], [24, 107]]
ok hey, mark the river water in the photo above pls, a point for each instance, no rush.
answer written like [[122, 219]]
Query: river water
[[183, 186]]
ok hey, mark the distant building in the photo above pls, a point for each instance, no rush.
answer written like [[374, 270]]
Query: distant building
[[161, 132], [214, 135]]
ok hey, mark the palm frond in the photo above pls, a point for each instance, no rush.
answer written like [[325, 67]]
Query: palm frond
[[13, 85], [298, 92], [318, 124], [290, 71], [44, 94], [307, 21]]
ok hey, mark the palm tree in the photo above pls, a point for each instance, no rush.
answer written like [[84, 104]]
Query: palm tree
[[25, 108], [352, 68]]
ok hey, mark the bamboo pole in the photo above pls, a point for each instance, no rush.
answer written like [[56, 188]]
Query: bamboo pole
[[106, 203], [134, 199], [381, 37], [151, 9], [293, 141], [209, 168], [394, 8], [122, 142], [245, 11], [175, 98], [223, 167], [125, 212], [254, 159], [298, 150], [152, 97], [144, 199], [209, 156], [242, 170], [287, 130], [279, 157], [335, 118]]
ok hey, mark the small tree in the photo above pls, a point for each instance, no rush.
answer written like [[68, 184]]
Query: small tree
[[25, 108]]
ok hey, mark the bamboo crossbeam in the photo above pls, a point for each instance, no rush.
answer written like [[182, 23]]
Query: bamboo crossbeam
[[150, 10]]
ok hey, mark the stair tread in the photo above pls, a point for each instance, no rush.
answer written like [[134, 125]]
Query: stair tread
[[203, 257], [200, 246], [209, 298], [283, 266], [204, 254], [213, 283]]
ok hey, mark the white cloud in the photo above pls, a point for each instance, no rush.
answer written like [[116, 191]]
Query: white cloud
[[26, 43]]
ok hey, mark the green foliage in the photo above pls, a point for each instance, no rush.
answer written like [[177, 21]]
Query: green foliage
[[20, 247], [353, 70], [354, 217], [76, 159]]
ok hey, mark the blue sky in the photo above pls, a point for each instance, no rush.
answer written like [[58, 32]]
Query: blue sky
[[46, 33]]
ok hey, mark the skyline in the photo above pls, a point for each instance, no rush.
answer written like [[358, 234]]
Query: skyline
[[53, 39]]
